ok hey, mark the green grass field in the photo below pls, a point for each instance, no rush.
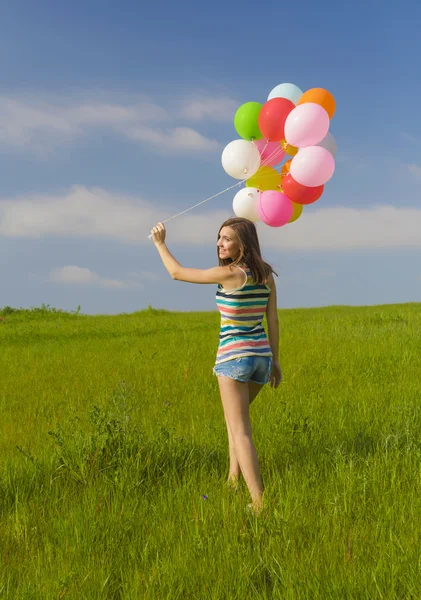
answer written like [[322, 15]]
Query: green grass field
[[114, 457]]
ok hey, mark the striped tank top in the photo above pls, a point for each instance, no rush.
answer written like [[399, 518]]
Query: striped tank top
[[242, 311]]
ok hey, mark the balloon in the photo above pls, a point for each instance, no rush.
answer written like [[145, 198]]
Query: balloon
[[300, 194], [329, 143], [272, 118], [275, 209], [312, 166], [285, 169], [297, 210], [290, 150], [245, 204], [240, 159], [266, 178], [286, 90], [245, 121], [322, 97], [270, 152], [306, 125]]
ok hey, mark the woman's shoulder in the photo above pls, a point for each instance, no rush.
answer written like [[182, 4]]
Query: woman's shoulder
[[270, 281]]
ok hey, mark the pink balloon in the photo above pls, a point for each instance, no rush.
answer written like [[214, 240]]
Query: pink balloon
[[274, 208], [306, 125], [312, 166], [271, 153]]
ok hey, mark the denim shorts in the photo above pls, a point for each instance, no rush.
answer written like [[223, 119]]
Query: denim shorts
[[255, 368]]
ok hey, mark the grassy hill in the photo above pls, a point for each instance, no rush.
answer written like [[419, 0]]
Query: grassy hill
[[114, 456]]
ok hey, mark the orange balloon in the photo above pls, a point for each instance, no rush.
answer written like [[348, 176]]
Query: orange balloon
[[286, 167], [291, 150], [322, 97]]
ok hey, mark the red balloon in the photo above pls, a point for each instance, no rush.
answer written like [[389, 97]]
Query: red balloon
[[272, 117], [300, 194]]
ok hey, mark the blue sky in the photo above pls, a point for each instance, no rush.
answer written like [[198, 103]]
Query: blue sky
[[113, 116]]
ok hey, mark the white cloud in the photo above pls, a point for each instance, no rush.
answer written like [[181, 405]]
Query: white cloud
[[178, 139], [81, 212], [79, 275], [217, 109], [39, 125], [410, 137], [414, 169], [342, 228], [325, 273], [23, 120], [97, 214]]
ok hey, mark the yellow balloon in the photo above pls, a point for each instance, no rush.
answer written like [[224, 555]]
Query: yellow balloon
[[266, 178], [297, 212], [291, 150]]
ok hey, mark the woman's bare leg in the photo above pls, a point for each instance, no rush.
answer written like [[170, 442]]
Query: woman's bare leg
[[234, 468], [235, 401]]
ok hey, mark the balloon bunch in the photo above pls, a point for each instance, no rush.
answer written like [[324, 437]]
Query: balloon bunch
[[293, 125]]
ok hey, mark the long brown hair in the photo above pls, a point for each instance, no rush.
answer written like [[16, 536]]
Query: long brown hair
[[249, 252]]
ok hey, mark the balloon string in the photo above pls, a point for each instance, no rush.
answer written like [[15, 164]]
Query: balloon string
[[274, 153], [203, 201], [264, 163]]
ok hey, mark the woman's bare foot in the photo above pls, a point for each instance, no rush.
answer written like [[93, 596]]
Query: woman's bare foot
[[233, 482], [254, 508]]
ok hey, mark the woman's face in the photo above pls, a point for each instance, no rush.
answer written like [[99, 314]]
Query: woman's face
[[228, 246]]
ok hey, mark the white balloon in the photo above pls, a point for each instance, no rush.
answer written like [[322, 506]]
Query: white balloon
[[245, 204], [312, 166], [306, 125], [329, 143], [286, 90], [241, 159]]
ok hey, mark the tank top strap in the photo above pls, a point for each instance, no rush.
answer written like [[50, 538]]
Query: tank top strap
[[245, 270], [237, 289]]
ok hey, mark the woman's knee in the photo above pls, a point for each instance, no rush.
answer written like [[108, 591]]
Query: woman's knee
[[242, 437]]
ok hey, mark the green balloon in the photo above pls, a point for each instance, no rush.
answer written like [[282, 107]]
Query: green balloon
[[246, 121]]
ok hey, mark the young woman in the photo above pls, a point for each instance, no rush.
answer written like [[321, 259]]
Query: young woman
[[246, 359]]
